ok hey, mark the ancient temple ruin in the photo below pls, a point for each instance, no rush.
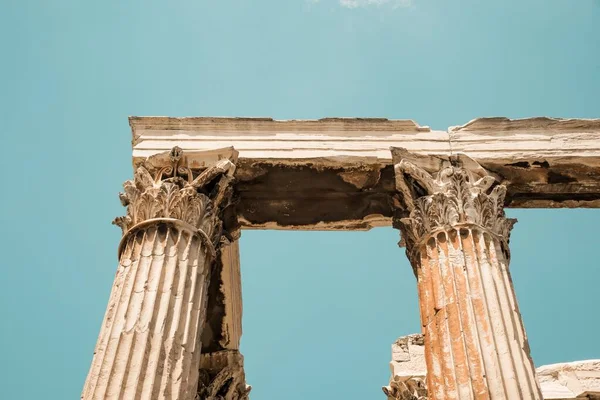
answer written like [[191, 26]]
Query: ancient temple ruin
[[173, 322]]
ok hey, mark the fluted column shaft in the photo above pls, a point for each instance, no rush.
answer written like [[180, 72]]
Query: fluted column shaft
[[456, 235], [475, 343], [149, 345]]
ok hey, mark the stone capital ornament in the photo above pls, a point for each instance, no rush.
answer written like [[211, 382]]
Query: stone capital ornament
[[413, 388], [460, 195], [172, 193], [149, 346], [450, 213]]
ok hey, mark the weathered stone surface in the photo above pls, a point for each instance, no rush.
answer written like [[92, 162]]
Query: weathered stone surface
[[580, 379], [408, 370], [231, 286], [149, 342], [456, 235], [460, 194], [222, 377], [148, 347], [223, 328], [183, 221], [336, 173]]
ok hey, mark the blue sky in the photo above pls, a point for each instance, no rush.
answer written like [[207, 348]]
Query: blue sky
[[321, 309]]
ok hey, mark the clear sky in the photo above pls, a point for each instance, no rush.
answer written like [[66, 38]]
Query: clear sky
[[321, 309]]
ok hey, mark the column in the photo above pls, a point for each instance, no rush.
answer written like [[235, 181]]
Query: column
[[149, 342], [456, 235]]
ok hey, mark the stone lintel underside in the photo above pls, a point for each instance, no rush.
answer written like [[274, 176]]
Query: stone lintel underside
[[337, 173]]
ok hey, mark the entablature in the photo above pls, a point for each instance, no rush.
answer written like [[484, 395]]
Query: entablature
[[337, 173]]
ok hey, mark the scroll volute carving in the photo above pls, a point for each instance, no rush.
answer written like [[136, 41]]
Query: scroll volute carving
[[460, 194], [173, 192]]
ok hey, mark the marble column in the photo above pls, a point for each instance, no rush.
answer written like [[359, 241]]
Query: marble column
[[149, 343], [456, 236]]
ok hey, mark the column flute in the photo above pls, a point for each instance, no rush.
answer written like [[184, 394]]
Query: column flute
[[457, 239], [149, 342]]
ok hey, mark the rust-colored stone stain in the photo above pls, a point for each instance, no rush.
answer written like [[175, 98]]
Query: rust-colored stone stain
[[472, 329]]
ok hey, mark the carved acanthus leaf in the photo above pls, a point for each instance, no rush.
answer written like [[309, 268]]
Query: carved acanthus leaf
[[414, 388], [169, 195], [455, 197]]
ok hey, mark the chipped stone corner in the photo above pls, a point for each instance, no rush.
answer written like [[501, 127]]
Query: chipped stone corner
[[579, 379], [222, 376], [408, 369], [563, 381]]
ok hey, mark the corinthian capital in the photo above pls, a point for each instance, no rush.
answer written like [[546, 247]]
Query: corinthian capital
[[461, 194], [172, 192]]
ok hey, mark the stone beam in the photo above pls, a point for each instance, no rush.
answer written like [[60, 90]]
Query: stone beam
[[337, 173]]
